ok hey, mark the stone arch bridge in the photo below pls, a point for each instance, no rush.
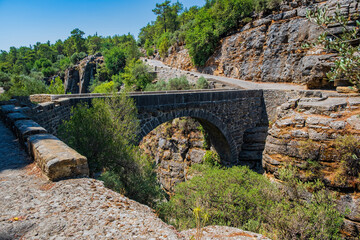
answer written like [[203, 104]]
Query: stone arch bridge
[[235, 120]]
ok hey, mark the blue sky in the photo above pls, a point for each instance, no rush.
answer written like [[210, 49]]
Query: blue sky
[[24, 22]]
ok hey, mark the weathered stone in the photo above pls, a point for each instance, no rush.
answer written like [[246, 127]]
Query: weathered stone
[[26, 128], [354, 121], [196, 155], [55, 158], [337, 125], [285, 122], [299, 134], [317, 136]]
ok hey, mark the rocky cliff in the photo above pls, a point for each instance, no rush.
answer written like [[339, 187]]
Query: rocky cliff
[[175, 146], [78, 77], [269, 48], [319, 135]]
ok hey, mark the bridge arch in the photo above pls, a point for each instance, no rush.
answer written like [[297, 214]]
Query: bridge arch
[[219, 135]]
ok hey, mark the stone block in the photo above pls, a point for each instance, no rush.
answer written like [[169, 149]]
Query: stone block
[[354, 122], [26, 128], [11, 118], [56, 159]]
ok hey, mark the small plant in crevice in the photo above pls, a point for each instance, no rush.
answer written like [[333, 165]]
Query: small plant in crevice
[[201, 219]]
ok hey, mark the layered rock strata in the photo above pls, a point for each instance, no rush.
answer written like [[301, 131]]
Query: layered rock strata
[[306, 135]]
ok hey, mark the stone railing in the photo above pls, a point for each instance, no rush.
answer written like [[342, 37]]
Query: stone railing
[[55, 158]]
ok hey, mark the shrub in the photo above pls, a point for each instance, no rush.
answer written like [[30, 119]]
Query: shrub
[[22, 85], [137, 75], [76, 57], [105, 134], [348, 149], [180, 83], [105, 87], [239, 197], [202, 83]]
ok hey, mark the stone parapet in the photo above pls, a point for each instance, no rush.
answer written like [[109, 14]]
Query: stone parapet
[[55, 158]]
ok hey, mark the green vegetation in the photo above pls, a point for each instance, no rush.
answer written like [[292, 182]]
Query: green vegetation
[[241, 198], [42, 61], [346, 44], [180, 83], [199, 28], [106, 134], [348, 153]]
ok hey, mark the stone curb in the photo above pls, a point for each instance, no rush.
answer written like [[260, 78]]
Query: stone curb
[[56, 159]]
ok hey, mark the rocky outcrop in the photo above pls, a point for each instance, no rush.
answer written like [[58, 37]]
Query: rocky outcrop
[[306, 135], [269, 48], [175, 146], [78, 77]]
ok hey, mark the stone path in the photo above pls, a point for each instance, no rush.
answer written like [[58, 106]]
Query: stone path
[[31, 207], [232, 81]]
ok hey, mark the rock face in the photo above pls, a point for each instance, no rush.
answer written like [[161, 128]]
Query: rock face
[[78, 77], [269, 49], [175, 146], [305, 135]]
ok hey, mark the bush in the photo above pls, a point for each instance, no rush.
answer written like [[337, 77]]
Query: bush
[[160, 85], [22, 85], [136, 75], [105, 134], [180, 83], [105, 87], [76, 57], [348, 149], [239, 197], [202, 83]]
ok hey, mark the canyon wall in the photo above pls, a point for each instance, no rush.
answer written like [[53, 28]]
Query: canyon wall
[[270, 48], [319, 136]]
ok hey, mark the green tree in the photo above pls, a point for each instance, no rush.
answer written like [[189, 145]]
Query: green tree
[[115, 60], [105, 134]]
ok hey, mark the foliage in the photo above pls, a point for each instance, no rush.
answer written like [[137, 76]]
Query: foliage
[[136, 75], [56, 86], [199, 28], [115, 60], [160, 85], [241, 198], [345, 44], [212, 158], [202, 83], [105, 134], [105, 87], [5, 81], [76, 57], [53, 59], [180, 83], [22, 85], [348, 150]]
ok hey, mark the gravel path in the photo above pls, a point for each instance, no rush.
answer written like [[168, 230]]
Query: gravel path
[[233, 81], [33, 208]]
